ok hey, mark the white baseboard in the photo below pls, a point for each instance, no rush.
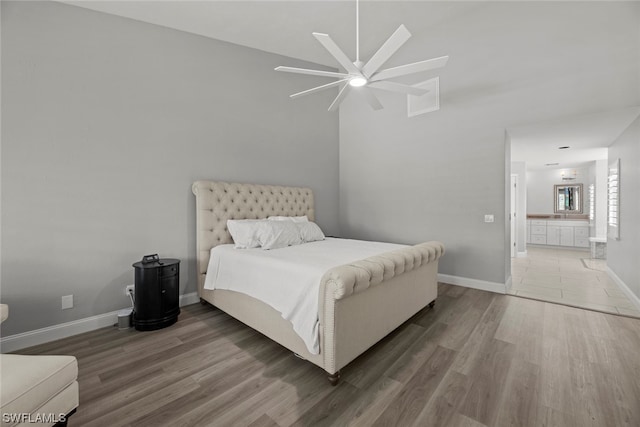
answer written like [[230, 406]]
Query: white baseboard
[[56, 332], [188, 299], [75, 327], [624, 288], [500, 288]]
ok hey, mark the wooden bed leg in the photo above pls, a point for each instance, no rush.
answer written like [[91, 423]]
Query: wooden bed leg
[[334, 378], [432, 304]]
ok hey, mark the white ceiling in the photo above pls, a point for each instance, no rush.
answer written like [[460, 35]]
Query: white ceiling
[[587, 136], [285, 27]]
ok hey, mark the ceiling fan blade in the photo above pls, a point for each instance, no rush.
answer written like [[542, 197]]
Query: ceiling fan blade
[[416, 67], [336, 52], [371, 98], [317, 89], [312, 72], [341, 95], [393, 43], [398, 87]]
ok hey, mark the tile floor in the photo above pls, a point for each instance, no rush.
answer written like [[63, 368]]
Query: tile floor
[[568, 277]]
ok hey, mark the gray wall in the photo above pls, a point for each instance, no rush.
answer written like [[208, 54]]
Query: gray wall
[[623, 254], [540, 184], [434, 176], [106, 122]]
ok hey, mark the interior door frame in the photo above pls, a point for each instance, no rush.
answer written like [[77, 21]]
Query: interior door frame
[[513, 215]]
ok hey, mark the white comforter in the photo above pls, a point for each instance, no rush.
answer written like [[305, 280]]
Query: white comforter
[[287, 279]]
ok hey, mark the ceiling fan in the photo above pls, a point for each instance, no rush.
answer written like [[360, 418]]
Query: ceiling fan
[[365, 76]]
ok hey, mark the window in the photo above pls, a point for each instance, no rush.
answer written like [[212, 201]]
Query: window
[[613, 200], [592, 203]]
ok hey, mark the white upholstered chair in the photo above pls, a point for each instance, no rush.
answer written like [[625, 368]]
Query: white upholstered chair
[[41, 389]]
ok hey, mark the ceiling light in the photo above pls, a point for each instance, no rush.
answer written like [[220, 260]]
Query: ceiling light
[[358, 81], [369, 74], [564, 147]]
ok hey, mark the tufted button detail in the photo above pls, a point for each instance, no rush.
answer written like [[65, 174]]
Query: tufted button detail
[[360, 275], [219, 201]]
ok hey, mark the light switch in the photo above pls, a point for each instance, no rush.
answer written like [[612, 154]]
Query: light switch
[[488, 218]]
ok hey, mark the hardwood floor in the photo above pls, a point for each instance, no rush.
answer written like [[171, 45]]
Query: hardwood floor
[[476, 359]]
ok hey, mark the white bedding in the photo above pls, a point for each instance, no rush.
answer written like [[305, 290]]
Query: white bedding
[[287, 279]]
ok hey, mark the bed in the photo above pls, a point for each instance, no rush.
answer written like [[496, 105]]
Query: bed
[[359, 303]]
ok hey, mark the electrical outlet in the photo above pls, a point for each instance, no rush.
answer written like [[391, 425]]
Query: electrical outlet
[[67, 302], [129, 289], [488, 218]]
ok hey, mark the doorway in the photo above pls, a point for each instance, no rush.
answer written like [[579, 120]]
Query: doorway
[[551, 259]]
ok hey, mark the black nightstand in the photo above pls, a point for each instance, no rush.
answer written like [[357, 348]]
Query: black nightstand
[[157, 298]]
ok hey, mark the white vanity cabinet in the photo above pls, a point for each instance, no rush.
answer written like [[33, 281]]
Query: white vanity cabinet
[[538, 230], [558, 233], [566, 236], [581, 236]]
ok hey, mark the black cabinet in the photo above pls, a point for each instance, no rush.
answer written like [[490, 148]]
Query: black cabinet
[[157, 287]]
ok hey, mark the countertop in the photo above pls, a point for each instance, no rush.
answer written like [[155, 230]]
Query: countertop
[[556, 217]]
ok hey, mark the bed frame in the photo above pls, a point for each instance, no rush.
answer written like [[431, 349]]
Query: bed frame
[[359, 304]]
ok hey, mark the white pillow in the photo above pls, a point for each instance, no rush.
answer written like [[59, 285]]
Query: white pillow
[[289, 218], [278, 234], [244, 232], [309, 232]]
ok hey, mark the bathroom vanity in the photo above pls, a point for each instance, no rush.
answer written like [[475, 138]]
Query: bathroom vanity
[[558, 232]]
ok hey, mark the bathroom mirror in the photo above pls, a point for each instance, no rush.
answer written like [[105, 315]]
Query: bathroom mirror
[[568, 198]]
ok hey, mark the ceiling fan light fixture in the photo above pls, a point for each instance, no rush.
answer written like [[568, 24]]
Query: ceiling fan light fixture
[[358, 81], [369, 75]]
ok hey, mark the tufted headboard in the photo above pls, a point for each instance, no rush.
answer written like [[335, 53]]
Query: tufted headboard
[[216, 202]]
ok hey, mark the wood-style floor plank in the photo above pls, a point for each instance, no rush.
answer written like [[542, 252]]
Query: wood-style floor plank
[[477, 359], [408, 404], [369, 406], [489, 379], [520, 397], [446, 399]]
